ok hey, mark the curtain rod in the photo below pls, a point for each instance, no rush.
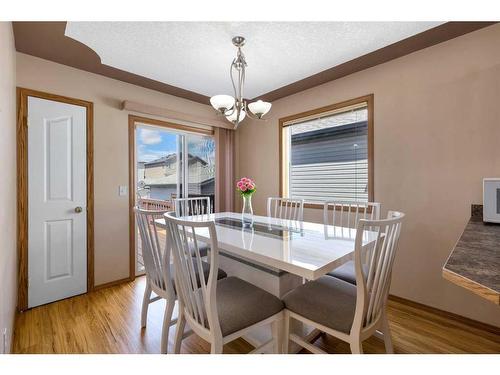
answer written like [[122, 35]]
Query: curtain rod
[[171, 115]]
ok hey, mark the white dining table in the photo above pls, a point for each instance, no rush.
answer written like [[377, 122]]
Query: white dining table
[[305, 249]]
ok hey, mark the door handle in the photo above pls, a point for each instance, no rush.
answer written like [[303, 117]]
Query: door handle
[[78, 209]]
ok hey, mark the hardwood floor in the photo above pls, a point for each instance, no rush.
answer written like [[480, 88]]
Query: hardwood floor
[[108, 321]]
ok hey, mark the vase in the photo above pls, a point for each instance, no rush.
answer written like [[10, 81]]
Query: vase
[[247, 212]]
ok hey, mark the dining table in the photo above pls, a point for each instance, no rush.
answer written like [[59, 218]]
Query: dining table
[[278, 255]]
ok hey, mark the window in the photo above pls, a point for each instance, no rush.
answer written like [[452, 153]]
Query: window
[[327, 154]]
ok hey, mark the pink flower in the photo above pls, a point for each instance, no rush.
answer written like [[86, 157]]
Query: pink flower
[[245, 185]]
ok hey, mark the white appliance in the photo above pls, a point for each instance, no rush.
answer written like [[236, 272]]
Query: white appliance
[[491, 200]]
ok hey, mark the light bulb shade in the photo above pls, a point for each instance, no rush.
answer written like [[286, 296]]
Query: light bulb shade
[[259, 108], [222, 103], [232, 117]]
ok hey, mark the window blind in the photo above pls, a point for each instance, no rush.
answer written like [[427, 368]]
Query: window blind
[[329, 157]]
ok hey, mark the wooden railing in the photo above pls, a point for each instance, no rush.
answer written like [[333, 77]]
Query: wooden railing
[[167, 205], [155, 204]]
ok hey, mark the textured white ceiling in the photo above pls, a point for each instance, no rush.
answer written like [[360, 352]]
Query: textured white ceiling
[[196, 55]]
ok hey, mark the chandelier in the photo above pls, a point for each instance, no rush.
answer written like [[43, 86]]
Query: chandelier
[[235, 109]]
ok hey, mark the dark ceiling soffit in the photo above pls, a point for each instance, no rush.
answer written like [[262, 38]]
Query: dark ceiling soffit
[[404, 47], [47, 41]]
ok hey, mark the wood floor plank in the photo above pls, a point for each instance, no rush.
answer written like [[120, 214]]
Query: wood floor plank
[[108, 321]]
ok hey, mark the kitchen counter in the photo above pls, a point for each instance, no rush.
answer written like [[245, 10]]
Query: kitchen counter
[[474, 263]]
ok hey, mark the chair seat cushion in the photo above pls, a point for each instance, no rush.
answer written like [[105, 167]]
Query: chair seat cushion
[[347, 272], [241, 304], [202, 248], [328, 301]]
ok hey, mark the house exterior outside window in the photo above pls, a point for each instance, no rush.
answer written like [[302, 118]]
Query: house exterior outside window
[[327, 153]]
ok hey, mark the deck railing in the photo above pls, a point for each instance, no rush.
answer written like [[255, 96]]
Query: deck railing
[[155, 204], [167, 205]]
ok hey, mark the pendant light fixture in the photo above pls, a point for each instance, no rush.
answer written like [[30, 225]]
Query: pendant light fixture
[[235, 109]]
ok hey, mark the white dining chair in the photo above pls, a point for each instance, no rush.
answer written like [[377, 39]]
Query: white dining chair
[[219, 311], [158, 268], [285, 208], [351, 313], [347, 214], [194, 206]]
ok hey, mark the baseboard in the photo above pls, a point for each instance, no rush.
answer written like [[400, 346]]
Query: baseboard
[[113, 283], [446, 314]]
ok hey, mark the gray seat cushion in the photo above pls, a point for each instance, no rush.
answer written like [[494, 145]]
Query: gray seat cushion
[[202, 248], [347, 272], [241, 304], [328, 301]]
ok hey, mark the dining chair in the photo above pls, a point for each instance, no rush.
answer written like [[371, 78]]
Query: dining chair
[[219, 311], [194, 206], [285, 208], [158, 268], [347, 214], [351, 313]]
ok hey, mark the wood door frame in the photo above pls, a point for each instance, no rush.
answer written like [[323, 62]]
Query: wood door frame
[[22, 187], [132, 120], [368, 99]]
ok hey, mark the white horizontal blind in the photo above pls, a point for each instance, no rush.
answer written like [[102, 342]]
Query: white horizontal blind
[[329, 157]]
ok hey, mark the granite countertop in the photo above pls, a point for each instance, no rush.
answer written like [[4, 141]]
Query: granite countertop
[[475, 261]]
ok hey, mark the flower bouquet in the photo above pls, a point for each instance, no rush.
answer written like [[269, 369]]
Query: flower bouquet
[[246, 187]]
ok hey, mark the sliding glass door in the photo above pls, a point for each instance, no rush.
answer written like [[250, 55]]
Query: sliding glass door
[[171, 163]]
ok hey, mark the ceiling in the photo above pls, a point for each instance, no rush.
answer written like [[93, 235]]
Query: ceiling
[[196, 56], [191, 59]]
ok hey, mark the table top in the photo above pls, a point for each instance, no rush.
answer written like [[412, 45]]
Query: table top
[[305, 249], [474, 263]]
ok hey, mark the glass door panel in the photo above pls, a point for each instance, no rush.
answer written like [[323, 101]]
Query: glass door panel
[[201, 167], [158, 173]]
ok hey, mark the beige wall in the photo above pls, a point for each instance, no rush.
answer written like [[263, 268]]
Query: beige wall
[[437, 134], [8, 254], [110, 147]]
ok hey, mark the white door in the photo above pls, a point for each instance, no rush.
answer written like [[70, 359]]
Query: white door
[[57, 201]]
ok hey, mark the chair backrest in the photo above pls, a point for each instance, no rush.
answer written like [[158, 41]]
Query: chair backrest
[[155, 251], [285, 208], [373, 287], [348, 213], [192, 206], [196, 293]]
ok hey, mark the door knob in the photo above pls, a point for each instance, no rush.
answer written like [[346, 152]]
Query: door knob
[[78, 209]]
